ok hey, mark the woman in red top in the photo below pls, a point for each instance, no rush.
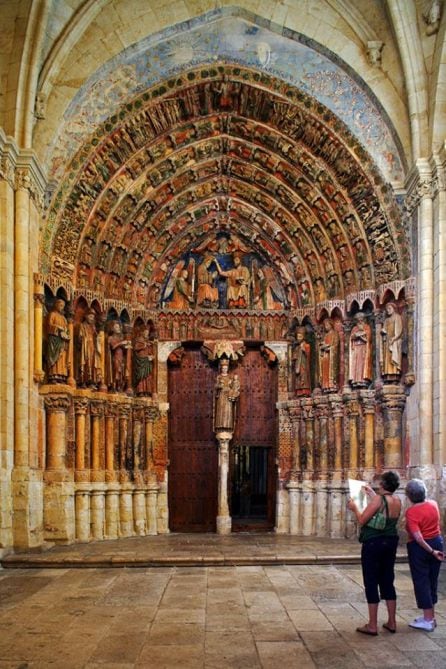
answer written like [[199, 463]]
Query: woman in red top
[[425, 551]]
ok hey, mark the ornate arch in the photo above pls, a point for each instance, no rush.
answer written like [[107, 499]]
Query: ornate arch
[[226, 153]]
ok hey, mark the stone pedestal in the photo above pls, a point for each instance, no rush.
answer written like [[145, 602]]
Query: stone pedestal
[[112, 511], [294, 495], [82, 507], [126, 511], [98, 511], [139, 511], [26, 487], [58, 507], [151, 508]]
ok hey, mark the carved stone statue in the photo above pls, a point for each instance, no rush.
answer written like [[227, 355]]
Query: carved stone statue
[[239, 281], [360, 353], [301, 361], [88, 352], [57, 344], [391, 342], [207, 293], [227, 391], [143, 356], [329, 357], [182, 294], [118, 374]]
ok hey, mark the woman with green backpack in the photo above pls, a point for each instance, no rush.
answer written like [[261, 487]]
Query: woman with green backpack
[[379, 538]]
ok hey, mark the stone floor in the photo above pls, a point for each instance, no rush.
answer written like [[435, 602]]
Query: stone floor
[[259, 616]]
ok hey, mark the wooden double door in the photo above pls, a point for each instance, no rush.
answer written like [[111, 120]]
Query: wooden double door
[[193, 451]]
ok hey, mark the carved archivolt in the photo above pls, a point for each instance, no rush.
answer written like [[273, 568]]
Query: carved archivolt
[[231, 175]]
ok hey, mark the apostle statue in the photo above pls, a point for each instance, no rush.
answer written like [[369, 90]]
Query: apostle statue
[[88, 352], [226, 393], [207, 292], [301, 364], [391, 343], [360, 353], [57, 344], [118, 345], [182, 292], [239, 281], [143, 356], [329, 357]]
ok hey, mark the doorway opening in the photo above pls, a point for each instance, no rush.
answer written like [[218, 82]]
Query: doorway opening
[[251, 488]]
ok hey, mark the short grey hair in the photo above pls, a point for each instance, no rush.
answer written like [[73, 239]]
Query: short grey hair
[[416, 490]]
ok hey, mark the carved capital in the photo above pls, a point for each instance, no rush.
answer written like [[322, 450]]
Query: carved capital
[[39, 300], [138, 413], [80, 405], [111, 410], [25, 179], [124, 412], [308, 413], [392, 398], [57, 403], [7, 170], [295, 413], [97, 408], [367, 399], [374, 52], [151, 414], [425, 188]]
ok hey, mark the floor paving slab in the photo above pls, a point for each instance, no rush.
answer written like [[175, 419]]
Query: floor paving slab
[[206, 617]]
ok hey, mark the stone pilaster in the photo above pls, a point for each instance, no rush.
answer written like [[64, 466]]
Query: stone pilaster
[[8, 154], [39, 300], [28, 186], [440, 309], [420, 195]]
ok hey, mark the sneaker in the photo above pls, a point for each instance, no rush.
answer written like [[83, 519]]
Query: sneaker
[[421, 619], [422, 624]]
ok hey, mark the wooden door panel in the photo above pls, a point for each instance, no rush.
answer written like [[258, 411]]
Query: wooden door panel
[[193, 469]]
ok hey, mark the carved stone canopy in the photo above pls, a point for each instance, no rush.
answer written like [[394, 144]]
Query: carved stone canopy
[[215, 350]]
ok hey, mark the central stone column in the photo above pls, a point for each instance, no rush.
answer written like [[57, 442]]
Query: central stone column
[[224, 520]]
